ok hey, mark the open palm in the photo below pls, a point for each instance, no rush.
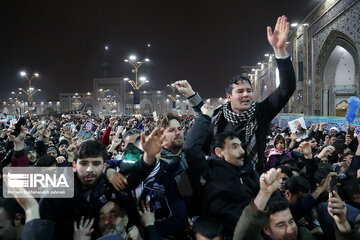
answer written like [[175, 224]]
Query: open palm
[[277, 39]]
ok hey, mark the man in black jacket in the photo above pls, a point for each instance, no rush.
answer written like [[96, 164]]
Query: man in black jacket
[[227, 180], [241, 114]]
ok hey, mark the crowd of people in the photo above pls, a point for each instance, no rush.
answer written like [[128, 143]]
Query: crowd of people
[[226, 173]]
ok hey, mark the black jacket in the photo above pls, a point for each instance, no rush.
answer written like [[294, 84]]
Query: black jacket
[[226, 189]]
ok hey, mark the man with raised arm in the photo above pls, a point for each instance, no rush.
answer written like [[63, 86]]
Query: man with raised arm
[[241, 114]]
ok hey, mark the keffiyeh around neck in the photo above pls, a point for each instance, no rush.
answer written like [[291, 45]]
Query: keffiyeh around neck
[[246, 118]]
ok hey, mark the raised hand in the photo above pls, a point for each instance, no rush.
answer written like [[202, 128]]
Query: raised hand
[[207, 110], [19, 141], [25, 200], [152, 144], [326, 152], [184, 87], [306, 150], [277, 39], [112, 121], [70, 152], [83, 232], [68, 133], [337, 210], [270, 181]]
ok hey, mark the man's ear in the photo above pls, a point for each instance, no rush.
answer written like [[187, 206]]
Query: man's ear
[[228, 97], [219, 152], [266, 229], [74, 166], [356, 198], [287, 194]]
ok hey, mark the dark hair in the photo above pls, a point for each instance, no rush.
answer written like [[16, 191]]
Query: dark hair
[[279, 138], [45, 161], [234, 80], [208, 227], [131, 132], [297, 185], [219, 139], [287, 160], [286, 170], [345, 155], [91, 149], [320, 174], [164, 122], [276, 204], [352, 187]]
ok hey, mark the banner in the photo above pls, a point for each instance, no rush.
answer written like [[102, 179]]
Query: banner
[[340, 122]]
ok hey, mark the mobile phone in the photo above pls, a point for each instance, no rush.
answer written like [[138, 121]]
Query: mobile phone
[[18, 125], [333, 182], [131, 156]]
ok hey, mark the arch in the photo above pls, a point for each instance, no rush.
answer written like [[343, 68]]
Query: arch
[[335, 38], [146, 106]]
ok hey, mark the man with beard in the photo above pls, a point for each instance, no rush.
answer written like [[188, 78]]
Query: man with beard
[[113, 220], [91, 186], [172, 154], [31, 154]]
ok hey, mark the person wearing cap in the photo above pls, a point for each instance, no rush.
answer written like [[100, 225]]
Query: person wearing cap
[[32, 155], [241, 114], [53, 151]]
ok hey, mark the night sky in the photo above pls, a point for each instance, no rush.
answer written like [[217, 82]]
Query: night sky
[[204, 42]]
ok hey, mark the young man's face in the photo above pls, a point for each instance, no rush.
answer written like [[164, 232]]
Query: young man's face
[[52, 153], [281, 226], [62, 149], [174, 136], [332, 140], [89, 170], [283, 179], [348, 159], [32, 156], [112, 220], [232, 152], [313, 144], [241, 97]]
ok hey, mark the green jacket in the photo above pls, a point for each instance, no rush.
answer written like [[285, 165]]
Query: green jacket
[[251, 221]]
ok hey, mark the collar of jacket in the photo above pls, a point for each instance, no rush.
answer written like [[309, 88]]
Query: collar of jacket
[[170, 157], [242, 171], [100, 188]]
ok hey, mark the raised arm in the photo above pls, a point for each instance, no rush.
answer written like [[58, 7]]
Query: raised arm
[[272, 105]]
